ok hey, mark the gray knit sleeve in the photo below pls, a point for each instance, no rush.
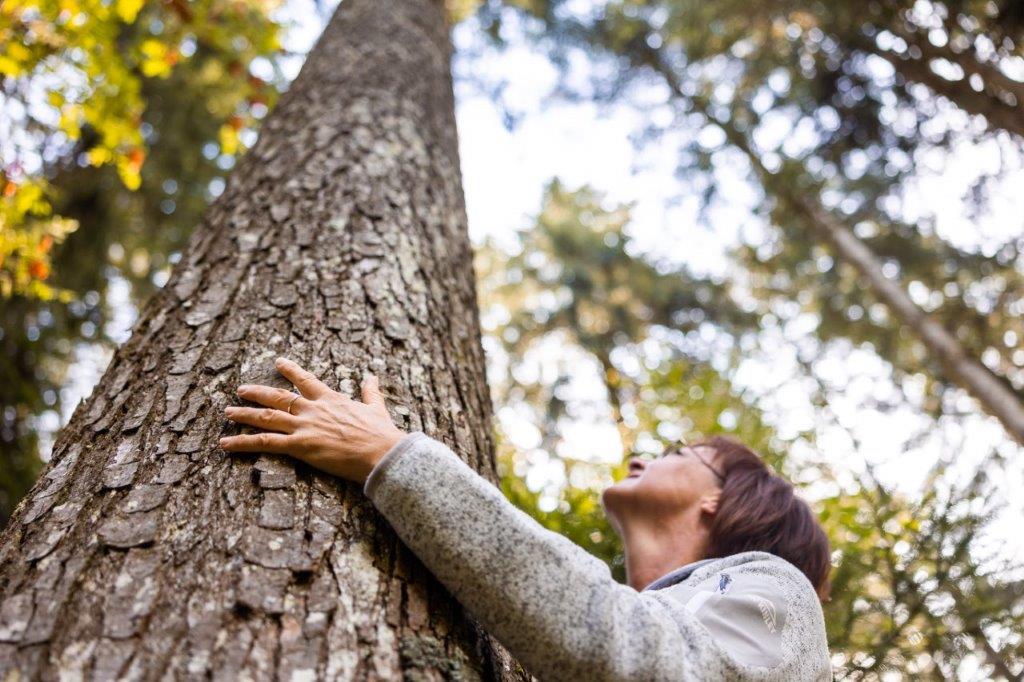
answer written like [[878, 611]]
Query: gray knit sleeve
[[555, 607]]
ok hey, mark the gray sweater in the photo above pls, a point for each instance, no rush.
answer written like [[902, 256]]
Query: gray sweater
[[750, 616]]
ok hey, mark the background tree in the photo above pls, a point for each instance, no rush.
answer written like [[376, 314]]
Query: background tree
[[341, 241], [791, 89]]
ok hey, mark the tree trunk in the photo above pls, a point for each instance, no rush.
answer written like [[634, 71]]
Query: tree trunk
[[988, 103], [992, 392], [145, 552]]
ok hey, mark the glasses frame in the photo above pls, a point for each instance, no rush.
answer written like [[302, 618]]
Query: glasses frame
[[678, 450]]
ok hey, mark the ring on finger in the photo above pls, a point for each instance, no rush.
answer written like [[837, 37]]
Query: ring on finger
[[292, 402]]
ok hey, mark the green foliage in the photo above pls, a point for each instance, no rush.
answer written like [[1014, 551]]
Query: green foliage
[[912, 591], [831, 103]]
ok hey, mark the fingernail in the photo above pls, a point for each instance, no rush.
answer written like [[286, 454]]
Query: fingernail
[[282, 361], [222, 442], [229, 410], [242, 389]]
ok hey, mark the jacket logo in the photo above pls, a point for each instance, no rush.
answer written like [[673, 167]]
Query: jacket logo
[[723, 582], [767, 609]]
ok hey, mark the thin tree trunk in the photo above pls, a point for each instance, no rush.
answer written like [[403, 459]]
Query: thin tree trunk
[[994, 395], [144, 552], [999, 113]]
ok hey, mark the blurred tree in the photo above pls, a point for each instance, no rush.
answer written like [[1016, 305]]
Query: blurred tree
[[832, 131], [574, 284], [574, 274], [79, 140]]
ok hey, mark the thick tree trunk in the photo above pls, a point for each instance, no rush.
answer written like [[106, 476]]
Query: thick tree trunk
[[143, 551]]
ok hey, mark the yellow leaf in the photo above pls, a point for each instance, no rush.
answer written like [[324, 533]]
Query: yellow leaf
[[9, 67], [153, 48], [18, 52], [129, 177], [228, 137], [99, 156], [155, 63], [127, 10]]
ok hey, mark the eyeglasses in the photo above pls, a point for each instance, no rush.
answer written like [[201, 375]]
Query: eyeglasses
[[678, 450]]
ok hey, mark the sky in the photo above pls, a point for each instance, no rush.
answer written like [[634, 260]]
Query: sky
[[505, 172]]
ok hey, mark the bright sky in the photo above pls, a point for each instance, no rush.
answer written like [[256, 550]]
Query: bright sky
[[504, 175]]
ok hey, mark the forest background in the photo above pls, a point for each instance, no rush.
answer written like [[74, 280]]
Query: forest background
[[654, 189]]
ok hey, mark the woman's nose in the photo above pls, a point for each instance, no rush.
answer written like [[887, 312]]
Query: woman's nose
[[636, 465]]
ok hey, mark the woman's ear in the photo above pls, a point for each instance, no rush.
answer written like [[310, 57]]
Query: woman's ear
[[709, 503]]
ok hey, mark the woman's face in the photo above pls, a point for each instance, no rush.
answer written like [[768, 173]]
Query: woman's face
[[680, 481]]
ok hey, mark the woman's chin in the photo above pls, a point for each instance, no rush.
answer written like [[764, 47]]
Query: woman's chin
[[619, 491]]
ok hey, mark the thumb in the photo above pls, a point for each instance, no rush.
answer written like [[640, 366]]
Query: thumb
[[371, 391]]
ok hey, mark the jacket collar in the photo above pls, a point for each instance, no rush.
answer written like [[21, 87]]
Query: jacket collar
[[677, 575]]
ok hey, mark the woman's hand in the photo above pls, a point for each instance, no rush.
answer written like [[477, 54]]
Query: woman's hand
[[321, 427]]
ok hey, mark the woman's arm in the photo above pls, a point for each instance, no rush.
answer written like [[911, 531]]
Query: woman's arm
[[554, 606]]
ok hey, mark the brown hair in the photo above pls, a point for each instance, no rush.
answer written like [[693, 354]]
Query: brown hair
[[759, 511]]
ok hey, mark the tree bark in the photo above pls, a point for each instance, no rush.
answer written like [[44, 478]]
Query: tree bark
[[143, 551]]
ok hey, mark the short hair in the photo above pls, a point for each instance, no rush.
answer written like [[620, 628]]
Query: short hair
[[758, 510]]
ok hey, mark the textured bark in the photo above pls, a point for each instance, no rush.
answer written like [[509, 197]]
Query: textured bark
[[143, 551]]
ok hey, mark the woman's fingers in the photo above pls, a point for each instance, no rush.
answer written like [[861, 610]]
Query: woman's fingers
[[308, 385], [277, 443], [277, 398], [271, 420]]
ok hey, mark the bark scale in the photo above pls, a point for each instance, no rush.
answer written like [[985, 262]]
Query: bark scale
[[143, 551]]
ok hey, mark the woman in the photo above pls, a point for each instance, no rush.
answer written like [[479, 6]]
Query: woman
[[725, 566]]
